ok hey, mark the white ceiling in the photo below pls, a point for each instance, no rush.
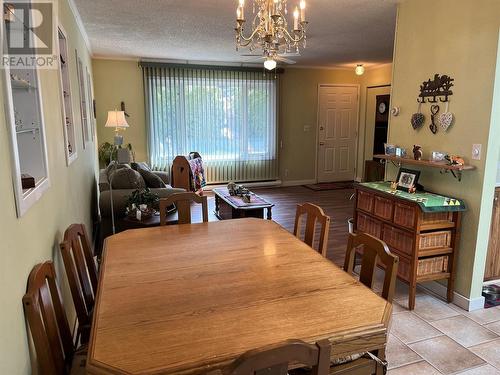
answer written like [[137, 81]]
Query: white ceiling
[[341, 32]]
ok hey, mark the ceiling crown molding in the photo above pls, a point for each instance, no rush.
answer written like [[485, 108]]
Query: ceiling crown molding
[[80, 25]]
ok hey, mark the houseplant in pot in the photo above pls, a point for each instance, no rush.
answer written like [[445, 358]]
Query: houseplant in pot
[[143, 200]]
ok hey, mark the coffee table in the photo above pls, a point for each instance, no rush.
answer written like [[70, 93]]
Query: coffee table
[[232, 207]]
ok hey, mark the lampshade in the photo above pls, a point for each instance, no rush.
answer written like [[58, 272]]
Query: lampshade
[[269, 64], [116, 119]]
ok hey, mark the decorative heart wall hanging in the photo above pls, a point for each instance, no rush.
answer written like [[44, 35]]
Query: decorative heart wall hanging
[[434, 112], [446, 119], [417, 119]]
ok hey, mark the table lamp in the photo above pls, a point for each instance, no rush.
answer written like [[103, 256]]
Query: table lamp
[[116, 119]]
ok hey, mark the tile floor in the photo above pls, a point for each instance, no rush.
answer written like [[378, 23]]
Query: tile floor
[[440, 338], [436, 337]]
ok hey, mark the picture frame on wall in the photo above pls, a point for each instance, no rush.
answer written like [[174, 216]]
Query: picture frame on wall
[[407, 178]]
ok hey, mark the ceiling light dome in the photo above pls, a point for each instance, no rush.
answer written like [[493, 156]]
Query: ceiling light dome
[[269, 64], [360, 69]]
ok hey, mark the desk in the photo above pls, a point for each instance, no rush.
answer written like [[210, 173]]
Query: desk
[[186, 299]]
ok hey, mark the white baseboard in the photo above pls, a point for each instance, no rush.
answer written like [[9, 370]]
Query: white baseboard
[[265, 184], [458, 299], [298, 182]]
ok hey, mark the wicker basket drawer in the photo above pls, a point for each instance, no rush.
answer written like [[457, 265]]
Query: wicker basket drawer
[[404, 269], [404, 215], [437, 217], [383, 207], [434, 240], [369, 225], [398, 239], [365, 201], [430, 266]]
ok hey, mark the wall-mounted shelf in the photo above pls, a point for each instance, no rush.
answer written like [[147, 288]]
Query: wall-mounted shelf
[[455, 170]]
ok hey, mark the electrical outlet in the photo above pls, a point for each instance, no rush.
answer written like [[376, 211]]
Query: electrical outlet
[[286, 172], [476, 152], [307, 128]]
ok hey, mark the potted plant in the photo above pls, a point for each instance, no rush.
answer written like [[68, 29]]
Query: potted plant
[[144, 200]]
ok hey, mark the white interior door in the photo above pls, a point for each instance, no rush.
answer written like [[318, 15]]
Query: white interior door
[[337, 131]]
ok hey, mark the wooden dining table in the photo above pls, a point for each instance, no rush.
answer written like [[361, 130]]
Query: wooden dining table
[[188, 299]]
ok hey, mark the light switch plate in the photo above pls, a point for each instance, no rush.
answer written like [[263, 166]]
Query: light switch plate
[[476, 152], [307, 128]]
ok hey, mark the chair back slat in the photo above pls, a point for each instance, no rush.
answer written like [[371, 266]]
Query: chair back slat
[[374, 250], [47, 321], [183, 203], [275, 359], [81, 271], [314, 214]]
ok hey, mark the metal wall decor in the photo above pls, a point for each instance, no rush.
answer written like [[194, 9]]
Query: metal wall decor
[[439, 87]]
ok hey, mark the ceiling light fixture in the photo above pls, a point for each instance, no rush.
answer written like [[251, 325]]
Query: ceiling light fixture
[[360, 69], [270, 64], [269, 29]]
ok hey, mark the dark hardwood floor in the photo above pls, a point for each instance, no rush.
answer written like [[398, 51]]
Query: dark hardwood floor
[[335, 203]]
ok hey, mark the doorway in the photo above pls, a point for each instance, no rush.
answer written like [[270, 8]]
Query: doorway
[[376, 130], [337, 132]]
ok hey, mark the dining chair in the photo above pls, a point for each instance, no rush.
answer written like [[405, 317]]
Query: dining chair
[[374, 252], [82, 275], [183, 203], [313, 214], [276, 359], [48, 325]]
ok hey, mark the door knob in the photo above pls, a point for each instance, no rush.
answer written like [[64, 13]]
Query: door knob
[[321, 128], [321, 143]]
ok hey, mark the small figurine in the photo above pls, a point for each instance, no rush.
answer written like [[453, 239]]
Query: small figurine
[[394, 186], [231, 187], [412, 189], [454, 160], [417, 152]]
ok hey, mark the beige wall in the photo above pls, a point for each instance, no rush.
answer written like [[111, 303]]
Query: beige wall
[[462, 44], [34, 237], [116, 81]]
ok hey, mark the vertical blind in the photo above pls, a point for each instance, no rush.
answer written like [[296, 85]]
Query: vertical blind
[[227, 115]]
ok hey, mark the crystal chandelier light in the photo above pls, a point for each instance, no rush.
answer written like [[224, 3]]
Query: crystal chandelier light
[[270, 29]]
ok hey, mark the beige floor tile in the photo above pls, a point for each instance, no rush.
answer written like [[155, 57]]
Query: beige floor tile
[[430, 308], [397, 308], [409, 328], [495, 327], [485, 316], [420, 368], [446, 355], [483, 370], [398, 354], [464, 330], [489, 351]]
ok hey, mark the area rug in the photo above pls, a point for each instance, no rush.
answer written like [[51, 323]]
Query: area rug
[[331, 186]]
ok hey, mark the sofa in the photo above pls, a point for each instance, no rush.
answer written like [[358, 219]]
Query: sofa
[[123, 188]]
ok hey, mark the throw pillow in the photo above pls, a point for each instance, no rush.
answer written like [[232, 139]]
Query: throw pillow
[[152, 180], [126, 178], [115, 166], [140, 165]]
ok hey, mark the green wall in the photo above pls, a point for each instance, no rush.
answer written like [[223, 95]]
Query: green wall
[[35, 237], [458, 38]]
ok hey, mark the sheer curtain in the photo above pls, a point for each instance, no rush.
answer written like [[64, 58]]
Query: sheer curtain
[[228, 115]]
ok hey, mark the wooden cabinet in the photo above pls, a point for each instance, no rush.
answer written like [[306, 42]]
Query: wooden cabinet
[[492, 270], [424, 240]]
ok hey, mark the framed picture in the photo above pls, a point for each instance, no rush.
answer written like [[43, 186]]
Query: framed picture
[[407, 178]]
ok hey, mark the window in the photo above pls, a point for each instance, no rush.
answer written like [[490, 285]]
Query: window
[[228, 116]]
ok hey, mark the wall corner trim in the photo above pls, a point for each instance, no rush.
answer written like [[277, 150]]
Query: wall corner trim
[[81, 27], [459, 300]]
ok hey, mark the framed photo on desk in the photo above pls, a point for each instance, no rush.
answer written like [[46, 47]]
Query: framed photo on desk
[[407, 178]]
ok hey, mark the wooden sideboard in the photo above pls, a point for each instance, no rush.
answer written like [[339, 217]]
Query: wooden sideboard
[[492, 271], [424, 237]]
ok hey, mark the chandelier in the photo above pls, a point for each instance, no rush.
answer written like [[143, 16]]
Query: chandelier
[[270, 29]]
